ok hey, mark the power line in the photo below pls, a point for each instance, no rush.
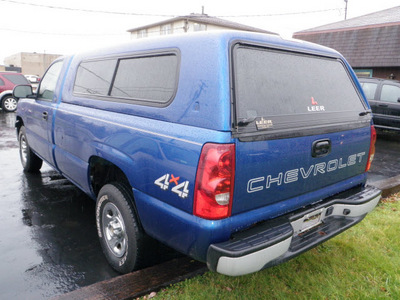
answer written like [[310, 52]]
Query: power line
[[283, 14], [79, 34], [165, 15], [134, 14], [61, 34], [88, 10]]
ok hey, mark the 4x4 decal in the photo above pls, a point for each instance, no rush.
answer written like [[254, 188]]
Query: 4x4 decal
[[181, 189]]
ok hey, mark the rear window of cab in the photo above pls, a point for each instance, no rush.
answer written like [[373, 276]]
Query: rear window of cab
[[278, 90], [146, 79]]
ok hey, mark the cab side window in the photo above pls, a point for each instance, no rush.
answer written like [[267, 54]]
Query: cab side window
[[390, 93], [49, 81]]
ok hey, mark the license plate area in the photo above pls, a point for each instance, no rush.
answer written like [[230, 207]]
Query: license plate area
[[308, 221]]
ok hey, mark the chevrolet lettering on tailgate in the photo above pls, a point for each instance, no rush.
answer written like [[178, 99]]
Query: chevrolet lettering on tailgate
[[259, 183]]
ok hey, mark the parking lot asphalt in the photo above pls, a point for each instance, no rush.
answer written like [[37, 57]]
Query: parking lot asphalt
[[386, 162], [49, 246], [385, 169]]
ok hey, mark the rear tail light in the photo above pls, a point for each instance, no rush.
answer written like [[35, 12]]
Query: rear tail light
[[371, 148], [214, 182]]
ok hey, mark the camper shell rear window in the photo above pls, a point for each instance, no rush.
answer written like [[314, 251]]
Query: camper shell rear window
[[286, 93]]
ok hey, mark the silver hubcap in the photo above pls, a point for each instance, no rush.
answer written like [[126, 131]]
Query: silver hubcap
[[10, 104], [23, 149], [114, 230]]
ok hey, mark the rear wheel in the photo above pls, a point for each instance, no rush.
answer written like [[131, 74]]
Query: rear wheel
[[9, 104], [121, 238], [29, 160]]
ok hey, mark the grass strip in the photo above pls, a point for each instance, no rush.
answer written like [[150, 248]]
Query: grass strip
[[361, 263]]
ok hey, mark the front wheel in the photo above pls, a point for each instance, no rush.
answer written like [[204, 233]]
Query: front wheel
[[29, 160], [120, 237], [9, 104]]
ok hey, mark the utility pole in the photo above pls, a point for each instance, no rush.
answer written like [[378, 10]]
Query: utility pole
[[345, 10]]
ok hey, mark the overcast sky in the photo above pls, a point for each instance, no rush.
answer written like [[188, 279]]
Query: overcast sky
[[43, 26]]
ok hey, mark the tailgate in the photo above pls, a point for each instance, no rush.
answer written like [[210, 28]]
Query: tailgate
[[271, 171], [300, 125]]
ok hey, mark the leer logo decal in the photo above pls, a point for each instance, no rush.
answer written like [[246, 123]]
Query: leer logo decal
[[264, 124], [314, 106], [313, 102], [181, 189]]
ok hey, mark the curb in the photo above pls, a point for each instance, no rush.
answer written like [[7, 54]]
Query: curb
[[388, 186], [139, 283]]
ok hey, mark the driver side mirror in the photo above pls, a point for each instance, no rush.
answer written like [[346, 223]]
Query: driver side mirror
[[23, 91], [398, 100]]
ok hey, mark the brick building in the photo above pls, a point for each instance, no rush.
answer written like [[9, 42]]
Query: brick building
[[370, 43]]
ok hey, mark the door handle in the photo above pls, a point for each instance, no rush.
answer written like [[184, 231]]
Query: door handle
[[321, 148], [45, 115], [382, 105]]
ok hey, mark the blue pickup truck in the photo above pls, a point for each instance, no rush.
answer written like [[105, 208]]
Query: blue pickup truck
[[241, 150]]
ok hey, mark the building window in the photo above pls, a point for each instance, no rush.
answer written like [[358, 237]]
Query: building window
[[363, 72], [166, 29], [142, 33], [199, 27]]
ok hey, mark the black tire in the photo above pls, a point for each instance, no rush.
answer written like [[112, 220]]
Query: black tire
[[121, 238], [29, 160], [9, 104]]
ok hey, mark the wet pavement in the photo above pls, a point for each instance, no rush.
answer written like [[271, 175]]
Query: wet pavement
[[48, 241], [48, 244], [386, 162]]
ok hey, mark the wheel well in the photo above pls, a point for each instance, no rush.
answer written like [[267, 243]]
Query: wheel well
[[103, 172], [5, 95]]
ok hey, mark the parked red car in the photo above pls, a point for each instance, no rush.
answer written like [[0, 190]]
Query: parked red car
[[8, 80]]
